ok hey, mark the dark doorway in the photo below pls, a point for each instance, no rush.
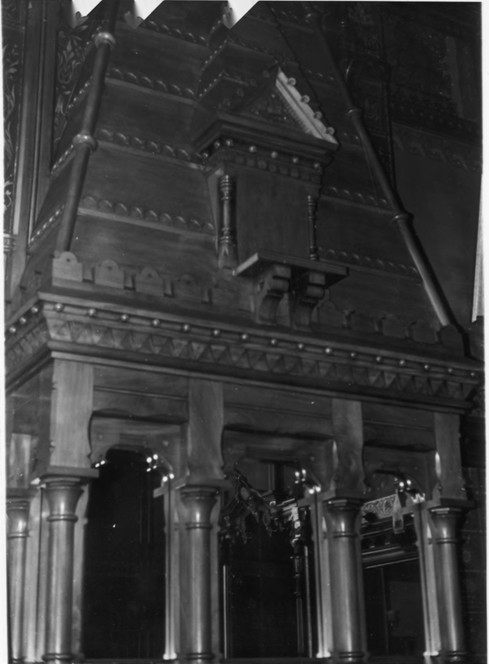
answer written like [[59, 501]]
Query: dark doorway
[[268, 567], [394, 609], [124, 583], [261, 609]]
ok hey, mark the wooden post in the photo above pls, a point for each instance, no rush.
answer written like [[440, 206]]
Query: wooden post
[[227, 232], [199, 501], [62, 493], [349, 633], [342, 512], [445, 520], [17, 533]]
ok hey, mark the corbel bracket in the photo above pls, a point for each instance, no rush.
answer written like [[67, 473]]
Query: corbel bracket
[[307, 291], [277, 275]]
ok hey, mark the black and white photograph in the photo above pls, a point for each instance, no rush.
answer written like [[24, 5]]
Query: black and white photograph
[[244, 408]]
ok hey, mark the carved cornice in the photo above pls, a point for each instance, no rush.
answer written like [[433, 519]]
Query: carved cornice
[[155, 148], [437, 148], [299, 105], [31, 332], [148, 145], [171, 31], [123, 211], [357, 197], [231, 39], [229, 74], [144, 81], [370, 262], [254, 155], [67, 271], [94, 328]]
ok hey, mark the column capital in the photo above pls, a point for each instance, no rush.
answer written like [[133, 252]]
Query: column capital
[[340, 502], [341, 515], [17, 496], [71, 475], [199, 501], [455, 505]]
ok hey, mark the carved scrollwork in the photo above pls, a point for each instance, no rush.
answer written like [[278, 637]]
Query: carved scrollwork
[[271, 286], [11, 83], [307, 291], [73, 46]]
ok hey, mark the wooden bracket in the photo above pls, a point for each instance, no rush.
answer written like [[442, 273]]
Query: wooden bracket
[[307, 291], [276, 275], [271, 287]]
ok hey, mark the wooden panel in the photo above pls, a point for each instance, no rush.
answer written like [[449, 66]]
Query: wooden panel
[[205, 431], [280, 401], [166, 187], [139, 382], [418, 466], [380, 293], [362, 232], [140, 394], [271, 214], [398, 437], [278, 422], [447, 428], [71, 411], [276, 412], [410, 417], [134, 247], [146, 114], [348, 433], [130, 405], [174, 61]]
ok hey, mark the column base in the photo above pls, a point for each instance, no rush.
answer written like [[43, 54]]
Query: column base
[[350, 657], [454, 657], [57, 657], [199, 656]]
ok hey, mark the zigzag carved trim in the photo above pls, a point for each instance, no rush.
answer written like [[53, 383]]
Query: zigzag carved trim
[[259, 355]]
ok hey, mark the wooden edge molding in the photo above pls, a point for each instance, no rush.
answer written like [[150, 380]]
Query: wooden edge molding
[[257, 354]]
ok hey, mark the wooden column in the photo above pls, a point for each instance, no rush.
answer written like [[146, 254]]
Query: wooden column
[[17, 533], [62, 493], [445, 522], [343, 524], [202, 481], [199, 501], [342, 512]]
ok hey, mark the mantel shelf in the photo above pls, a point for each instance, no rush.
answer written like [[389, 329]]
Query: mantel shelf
[[261, 261]]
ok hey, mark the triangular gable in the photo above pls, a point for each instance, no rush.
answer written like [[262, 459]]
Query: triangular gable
[[284, 104]]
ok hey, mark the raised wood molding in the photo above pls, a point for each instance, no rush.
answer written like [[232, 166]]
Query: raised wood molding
[[118, 333]]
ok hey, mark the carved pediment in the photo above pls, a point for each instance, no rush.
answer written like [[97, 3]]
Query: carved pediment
[[282, 103]]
